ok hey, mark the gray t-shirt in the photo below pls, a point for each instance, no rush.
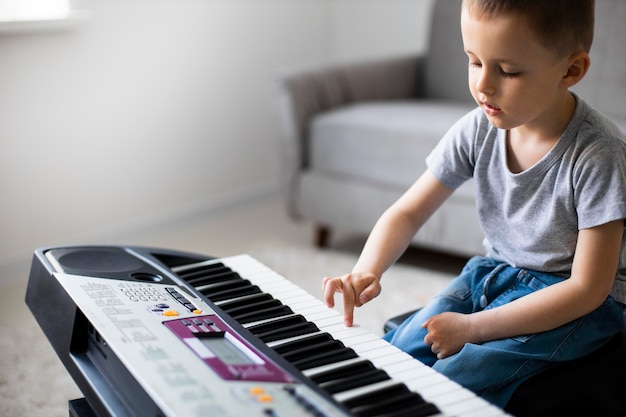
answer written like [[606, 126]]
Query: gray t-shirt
[[531, 219]]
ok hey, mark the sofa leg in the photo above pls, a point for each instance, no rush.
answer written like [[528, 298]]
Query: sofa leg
[[322, 236]]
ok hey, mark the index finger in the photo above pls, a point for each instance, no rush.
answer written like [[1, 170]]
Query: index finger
[[349, 300]]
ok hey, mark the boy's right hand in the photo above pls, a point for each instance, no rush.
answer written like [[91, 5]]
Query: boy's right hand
[[357, 288]]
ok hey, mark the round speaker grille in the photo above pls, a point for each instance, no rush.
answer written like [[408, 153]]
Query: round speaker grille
[[102, 260]]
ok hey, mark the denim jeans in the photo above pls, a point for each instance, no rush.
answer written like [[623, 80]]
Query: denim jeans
[[495, 369]]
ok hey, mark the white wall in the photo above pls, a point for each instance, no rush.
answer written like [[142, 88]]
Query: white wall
[[153, 109], [363, 29]]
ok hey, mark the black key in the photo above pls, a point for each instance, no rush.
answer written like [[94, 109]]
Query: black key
[[202, 269], [299, 343], [231, 293], [316, 350], [266, 313], [227, 305], [326, 346], [342, 371], [325, 358], [288, 331], [224, 285], [277, 324], [251, 307], [312, 351], [361, 379], [395, 404], [283, 328], [422, 410], [377, 396], [204, 279]]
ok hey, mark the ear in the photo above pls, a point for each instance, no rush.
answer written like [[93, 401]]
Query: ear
[[578, 65]]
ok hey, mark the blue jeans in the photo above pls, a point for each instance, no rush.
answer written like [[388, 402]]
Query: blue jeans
[[495, 369]]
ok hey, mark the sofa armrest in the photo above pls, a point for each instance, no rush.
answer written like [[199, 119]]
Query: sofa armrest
[[302, 93]]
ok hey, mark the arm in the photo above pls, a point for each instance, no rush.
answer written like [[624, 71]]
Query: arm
[[593, 273], [389, 238]]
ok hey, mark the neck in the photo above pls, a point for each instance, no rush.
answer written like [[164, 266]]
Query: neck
[[551, 126]]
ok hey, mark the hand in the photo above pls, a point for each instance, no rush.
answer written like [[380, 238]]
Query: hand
[[448, 333], [357, 289]]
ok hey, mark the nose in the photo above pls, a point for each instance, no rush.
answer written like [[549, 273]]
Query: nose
[[484, 82]]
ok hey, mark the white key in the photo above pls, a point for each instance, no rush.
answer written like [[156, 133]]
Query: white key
[[448, 396]]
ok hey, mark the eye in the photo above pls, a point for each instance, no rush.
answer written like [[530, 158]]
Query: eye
[[475, 64], [509, 74]]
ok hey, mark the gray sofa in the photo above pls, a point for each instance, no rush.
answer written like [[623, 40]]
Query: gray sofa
[[355, 136]]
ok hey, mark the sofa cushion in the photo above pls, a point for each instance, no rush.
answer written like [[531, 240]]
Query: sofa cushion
[[384, 142]]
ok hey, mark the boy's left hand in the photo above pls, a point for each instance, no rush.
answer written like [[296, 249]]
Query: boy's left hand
[[448, 333]]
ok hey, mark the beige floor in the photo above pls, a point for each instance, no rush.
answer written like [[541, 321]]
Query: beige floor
[[33, 383]]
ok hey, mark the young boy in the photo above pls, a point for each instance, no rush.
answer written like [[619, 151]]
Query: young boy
[[550, 177]]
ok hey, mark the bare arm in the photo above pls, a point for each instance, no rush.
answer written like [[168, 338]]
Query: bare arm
[[389, 238], [593, 273]]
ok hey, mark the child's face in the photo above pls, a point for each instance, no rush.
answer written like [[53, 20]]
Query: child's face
[[516, 80]]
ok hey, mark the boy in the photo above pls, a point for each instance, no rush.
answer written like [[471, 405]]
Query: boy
[[550, 176]]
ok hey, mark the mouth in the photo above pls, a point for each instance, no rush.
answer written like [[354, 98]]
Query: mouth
[[491, 110]]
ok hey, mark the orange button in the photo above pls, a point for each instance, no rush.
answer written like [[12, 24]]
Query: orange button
[[170, 313], [264, 398], [257, 390], [197, 312]]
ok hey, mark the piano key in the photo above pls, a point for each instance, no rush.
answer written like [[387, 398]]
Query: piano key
[[309, 348], [373, 389], [236, 310], [484, 411], [231, 293], [319, 308], [200, 278], [334, 353], [224, 285], [451, 395], [348, 376], [288, 332], [355, 340], [326, 323], [277, 328], [417, 378], [391, 400], [386, 357], [343, 371], [380, 395], [227, 305], [319, 315], [373, 345], [196, 272], [293, 338], [355, 380], [409, 404], [300, 301], [302, 342], [265, 313], [330, 366], [283, 328]]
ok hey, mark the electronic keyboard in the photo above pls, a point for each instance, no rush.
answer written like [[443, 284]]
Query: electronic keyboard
[[153, 332]]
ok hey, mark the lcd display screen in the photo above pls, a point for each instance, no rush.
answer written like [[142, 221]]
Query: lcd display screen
[[225, 351]]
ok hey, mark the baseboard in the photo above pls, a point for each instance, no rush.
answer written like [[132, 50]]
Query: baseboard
[[122, 231]]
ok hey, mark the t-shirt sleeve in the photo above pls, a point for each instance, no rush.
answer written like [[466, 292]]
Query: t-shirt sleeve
[[600, 184], [452, 160]]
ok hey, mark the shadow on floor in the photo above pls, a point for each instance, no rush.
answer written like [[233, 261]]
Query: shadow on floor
[[413, 256]]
